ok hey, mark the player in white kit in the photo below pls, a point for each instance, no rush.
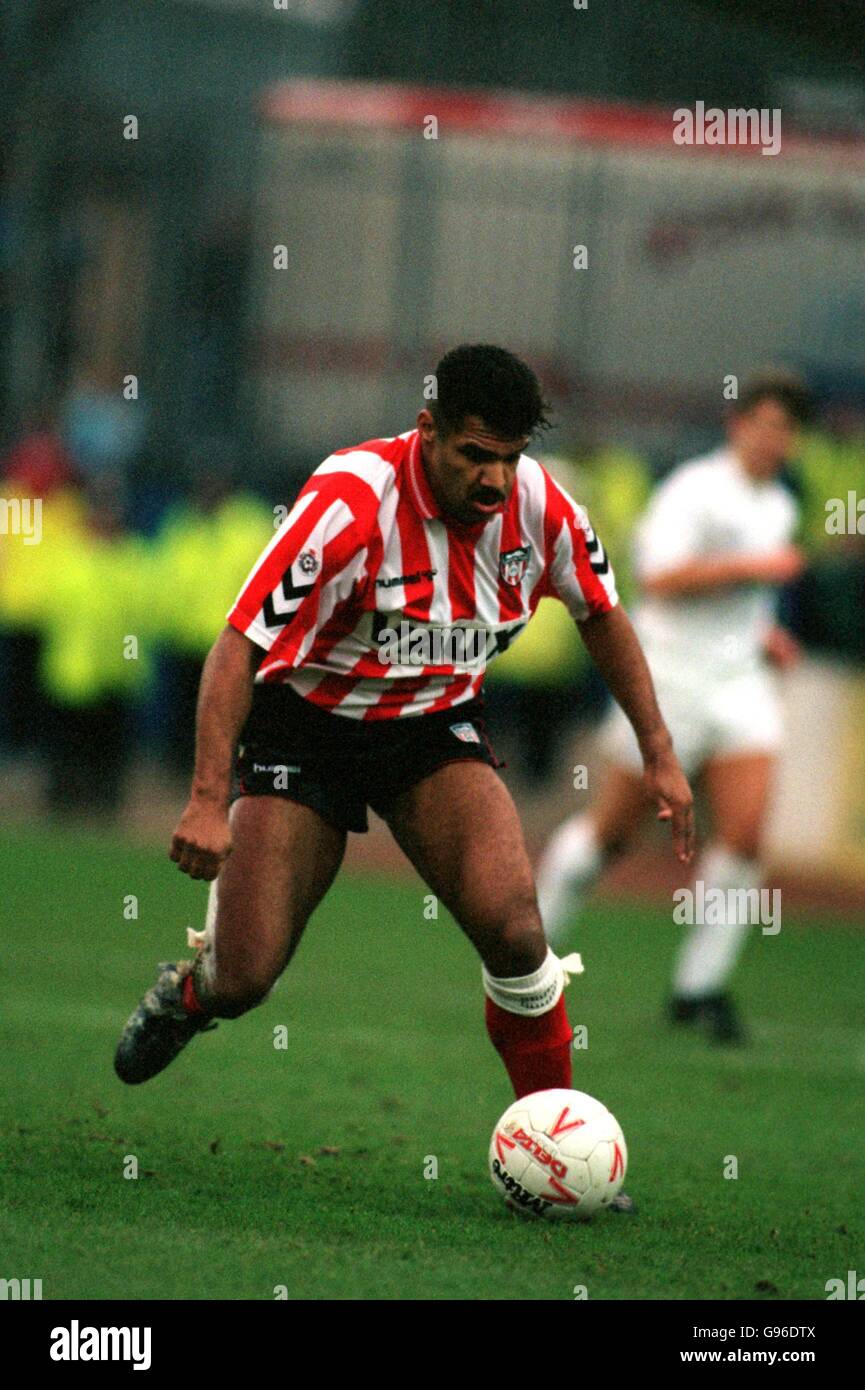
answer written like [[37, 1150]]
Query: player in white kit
[[711, 552]]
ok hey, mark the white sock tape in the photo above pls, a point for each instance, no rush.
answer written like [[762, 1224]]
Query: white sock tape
[[536, 993]]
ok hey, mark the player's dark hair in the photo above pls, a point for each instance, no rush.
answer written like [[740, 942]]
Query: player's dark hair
[[785, 388], [490, 382]]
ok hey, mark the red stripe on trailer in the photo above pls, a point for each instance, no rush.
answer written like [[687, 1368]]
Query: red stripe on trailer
[[397, 106]]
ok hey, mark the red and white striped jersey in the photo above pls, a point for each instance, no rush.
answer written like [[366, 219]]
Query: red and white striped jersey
[[369, 603]]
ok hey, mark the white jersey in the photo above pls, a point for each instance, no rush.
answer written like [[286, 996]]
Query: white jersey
[[709, 507]]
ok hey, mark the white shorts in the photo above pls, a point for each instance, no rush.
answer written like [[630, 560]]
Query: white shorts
[[737, 714]]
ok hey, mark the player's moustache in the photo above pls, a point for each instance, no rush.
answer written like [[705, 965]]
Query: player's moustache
[[488, 495]]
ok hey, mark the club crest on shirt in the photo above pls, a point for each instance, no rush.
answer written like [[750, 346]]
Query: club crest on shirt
[[514, 563], [307, 562]]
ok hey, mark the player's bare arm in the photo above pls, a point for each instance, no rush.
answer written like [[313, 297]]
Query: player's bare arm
[[701, 576], [780, 648], [613, 645], [202, 840]]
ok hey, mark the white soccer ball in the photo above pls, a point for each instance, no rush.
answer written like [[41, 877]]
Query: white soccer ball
[[558, 1154]]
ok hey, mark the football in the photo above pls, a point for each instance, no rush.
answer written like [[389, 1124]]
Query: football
[[558, 1154]]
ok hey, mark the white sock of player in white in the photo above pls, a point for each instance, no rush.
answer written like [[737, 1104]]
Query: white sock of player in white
[[569, 866], [709, 953]]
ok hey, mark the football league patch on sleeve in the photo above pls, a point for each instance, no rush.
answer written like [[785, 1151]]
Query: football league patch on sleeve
[[466, 733]]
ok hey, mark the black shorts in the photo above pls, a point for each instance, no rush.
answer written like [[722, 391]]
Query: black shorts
[[338, 766]]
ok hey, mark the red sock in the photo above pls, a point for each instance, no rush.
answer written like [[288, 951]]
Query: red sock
[[536, 1050], [190, 998]]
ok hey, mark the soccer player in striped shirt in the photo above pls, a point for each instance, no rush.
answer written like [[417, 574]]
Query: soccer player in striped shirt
[[350, 673]]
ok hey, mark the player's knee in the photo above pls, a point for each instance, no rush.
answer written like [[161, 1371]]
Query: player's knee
[[610, 835], [745, 841], [614, 840], [520, 946]]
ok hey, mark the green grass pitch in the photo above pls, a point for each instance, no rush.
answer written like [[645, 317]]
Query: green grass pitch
[[304, 1167]]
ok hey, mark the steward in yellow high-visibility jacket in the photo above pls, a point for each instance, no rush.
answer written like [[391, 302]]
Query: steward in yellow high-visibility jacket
[[88, 594], [202, 555], [829, 468], [23, 558], [202, 558], [27, 540], [95, 617]]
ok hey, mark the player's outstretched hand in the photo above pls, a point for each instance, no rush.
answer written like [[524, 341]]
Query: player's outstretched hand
[[667, 784], [779, 566], [202, 841], [781, 649]]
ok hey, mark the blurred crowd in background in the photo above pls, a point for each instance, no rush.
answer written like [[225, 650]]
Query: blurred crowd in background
[[105, 623], [131, 176]]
